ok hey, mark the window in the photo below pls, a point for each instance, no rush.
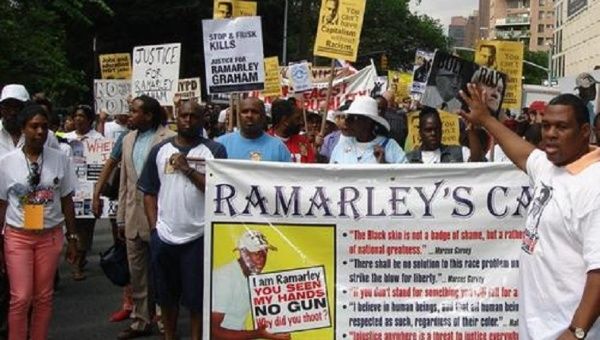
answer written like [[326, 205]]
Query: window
[[540, 28]]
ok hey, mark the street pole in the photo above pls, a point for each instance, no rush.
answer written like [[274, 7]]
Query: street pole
[[285, 23], [550, 47]]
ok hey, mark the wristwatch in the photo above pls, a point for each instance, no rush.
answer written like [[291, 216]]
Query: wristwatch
[[578, 332]]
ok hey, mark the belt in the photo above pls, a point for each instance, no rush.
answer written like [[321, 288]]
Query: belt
[[35, 231]]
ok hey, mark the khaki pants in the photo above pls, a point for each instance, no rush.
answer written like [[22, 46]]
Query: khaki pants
[[138, 255]]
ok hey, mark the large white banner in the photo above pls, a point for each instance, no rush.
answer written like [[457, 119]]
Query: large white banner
[[233, 55], [156, 71], [364, 252]]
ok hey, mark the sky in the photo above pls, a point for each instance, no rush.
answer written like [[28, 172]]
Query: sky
[[445, 9]]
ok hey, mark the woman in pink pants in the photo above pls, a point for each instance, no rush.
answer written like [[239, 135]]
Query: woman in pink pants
[[36, 187]]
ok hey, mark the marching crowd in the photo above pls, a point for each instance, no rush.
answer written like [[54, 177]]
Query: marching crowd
[[160, 216]]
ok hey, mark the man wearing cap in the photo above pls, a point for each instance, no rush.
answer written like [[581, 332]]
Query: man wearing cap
[[230, 294], [369, 142], [13, 99], [251, 142], [287, 121]]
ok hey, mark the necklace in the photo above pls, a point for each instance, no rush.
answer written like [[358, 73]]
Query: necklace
[[35, 169]]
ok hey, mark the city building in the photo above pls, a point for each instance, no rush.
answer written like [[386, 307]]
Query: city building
[[529, 21], [484, 19], [456, 31], [576, 38]]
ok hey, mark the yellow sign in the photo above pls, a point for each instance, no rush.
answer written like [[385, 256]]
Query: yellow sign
[[272, 78], [400, 83], [115, 66], [450, 130], [245, 9], [506, 57], [224, 9], [340, 24]]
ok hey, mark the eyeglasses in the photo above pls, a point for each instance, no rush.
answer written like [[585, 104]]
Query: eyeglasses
[[34, 174]]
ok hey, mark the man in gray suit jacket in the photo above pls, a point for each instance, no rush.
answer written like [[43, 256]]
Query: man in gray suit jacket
[[147, 117]]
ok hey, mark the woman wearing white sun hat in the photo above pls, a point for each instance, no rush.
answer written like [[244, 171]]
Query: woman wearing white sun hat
[[368, 142]]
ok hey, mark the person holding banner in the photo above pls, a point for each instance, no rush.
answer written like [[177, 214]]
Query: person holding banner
[[173, 181], [251, 142], [559, 295], [36, 200], [83, 117], [231, 296], [368, 143]]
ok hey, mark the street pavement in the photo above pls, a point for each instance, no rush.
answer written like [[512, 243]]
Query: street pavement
[[82, 309]]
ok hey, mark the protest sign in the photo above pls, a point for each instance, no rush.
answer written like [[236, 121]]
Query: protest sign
[[189, 88], [340, 25], [300, 75], [111, 96], [421, 70], [506, 57], [245, 9], [449, 74], [89, 157], [272, 78], [115, 66], [156, 71], [290, 300], [224, 9], [400, 83], [406, 251], [345, 87], [450, 130], [233, 55]]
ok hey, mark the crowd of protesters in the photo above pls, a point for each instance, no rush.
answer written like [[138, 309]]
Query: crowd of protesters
[[162, 179]]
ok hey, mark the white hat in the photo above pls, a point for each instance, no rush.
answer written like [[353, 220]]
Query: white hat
[[331, 116], [254, 241], [14, 91], [367, 106], [585, 80]]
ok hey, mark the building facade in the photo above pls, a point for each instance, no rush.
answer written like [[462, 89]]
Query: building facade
[[529, 21], [576, 38]]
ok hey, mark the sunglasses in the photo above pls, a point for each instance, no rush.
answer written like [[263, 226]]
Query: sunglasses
[[34, 174]]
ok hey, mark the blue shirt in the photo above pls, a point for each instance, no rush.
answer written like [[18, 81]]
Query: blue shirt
[[329, 142], [263, 148], [117, 150], [349, 151], [140, 149]]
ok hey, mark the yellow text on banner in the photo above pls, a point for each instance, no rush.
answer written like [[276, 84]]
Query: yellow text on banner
[[115, 66], [338, 33], [272, 78], [506, 57], [450, 130]]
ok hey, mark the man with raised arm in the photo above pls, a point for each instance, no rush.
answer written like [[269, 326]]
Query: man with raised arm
[[560, 260]]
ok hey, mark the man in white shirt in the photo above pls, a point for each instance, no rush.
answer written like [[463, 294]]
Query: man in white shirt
[[230, 294], [559, 295]]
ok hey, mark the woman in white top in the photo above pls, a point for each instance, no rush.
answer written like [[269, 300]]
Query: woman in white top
[[36, 188]]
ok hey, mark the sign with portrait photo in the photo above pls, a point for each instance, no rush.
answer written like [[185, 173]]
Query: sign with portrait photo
[[340, 24]]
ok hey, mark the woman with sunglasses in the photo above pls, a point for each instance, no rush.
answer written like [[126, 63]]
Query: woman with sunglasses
[[36, 188], [368, 142]]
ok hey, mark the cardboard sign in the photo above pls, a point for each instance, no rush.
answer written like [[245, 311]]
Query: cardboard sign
[[400, 83], [506, 57], [245, 9], [272, 78], [156, 71], [421, 70], [340, 24], [115, 66], [300, 75], [233, 55], [111, 96], [189, 88], [224, 9]]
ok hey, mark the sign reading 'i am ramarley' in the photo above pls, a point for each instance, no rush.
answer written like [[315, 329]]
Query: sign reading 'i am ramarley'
[[233, 55]]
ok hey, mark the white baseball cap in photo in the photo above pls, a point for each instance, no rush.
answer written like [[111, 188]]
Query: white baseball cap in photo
[[14, 91], [254, 241]]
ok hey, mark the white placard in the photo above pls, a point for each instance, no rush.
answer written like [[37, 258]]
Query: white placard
[[156, 71]]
